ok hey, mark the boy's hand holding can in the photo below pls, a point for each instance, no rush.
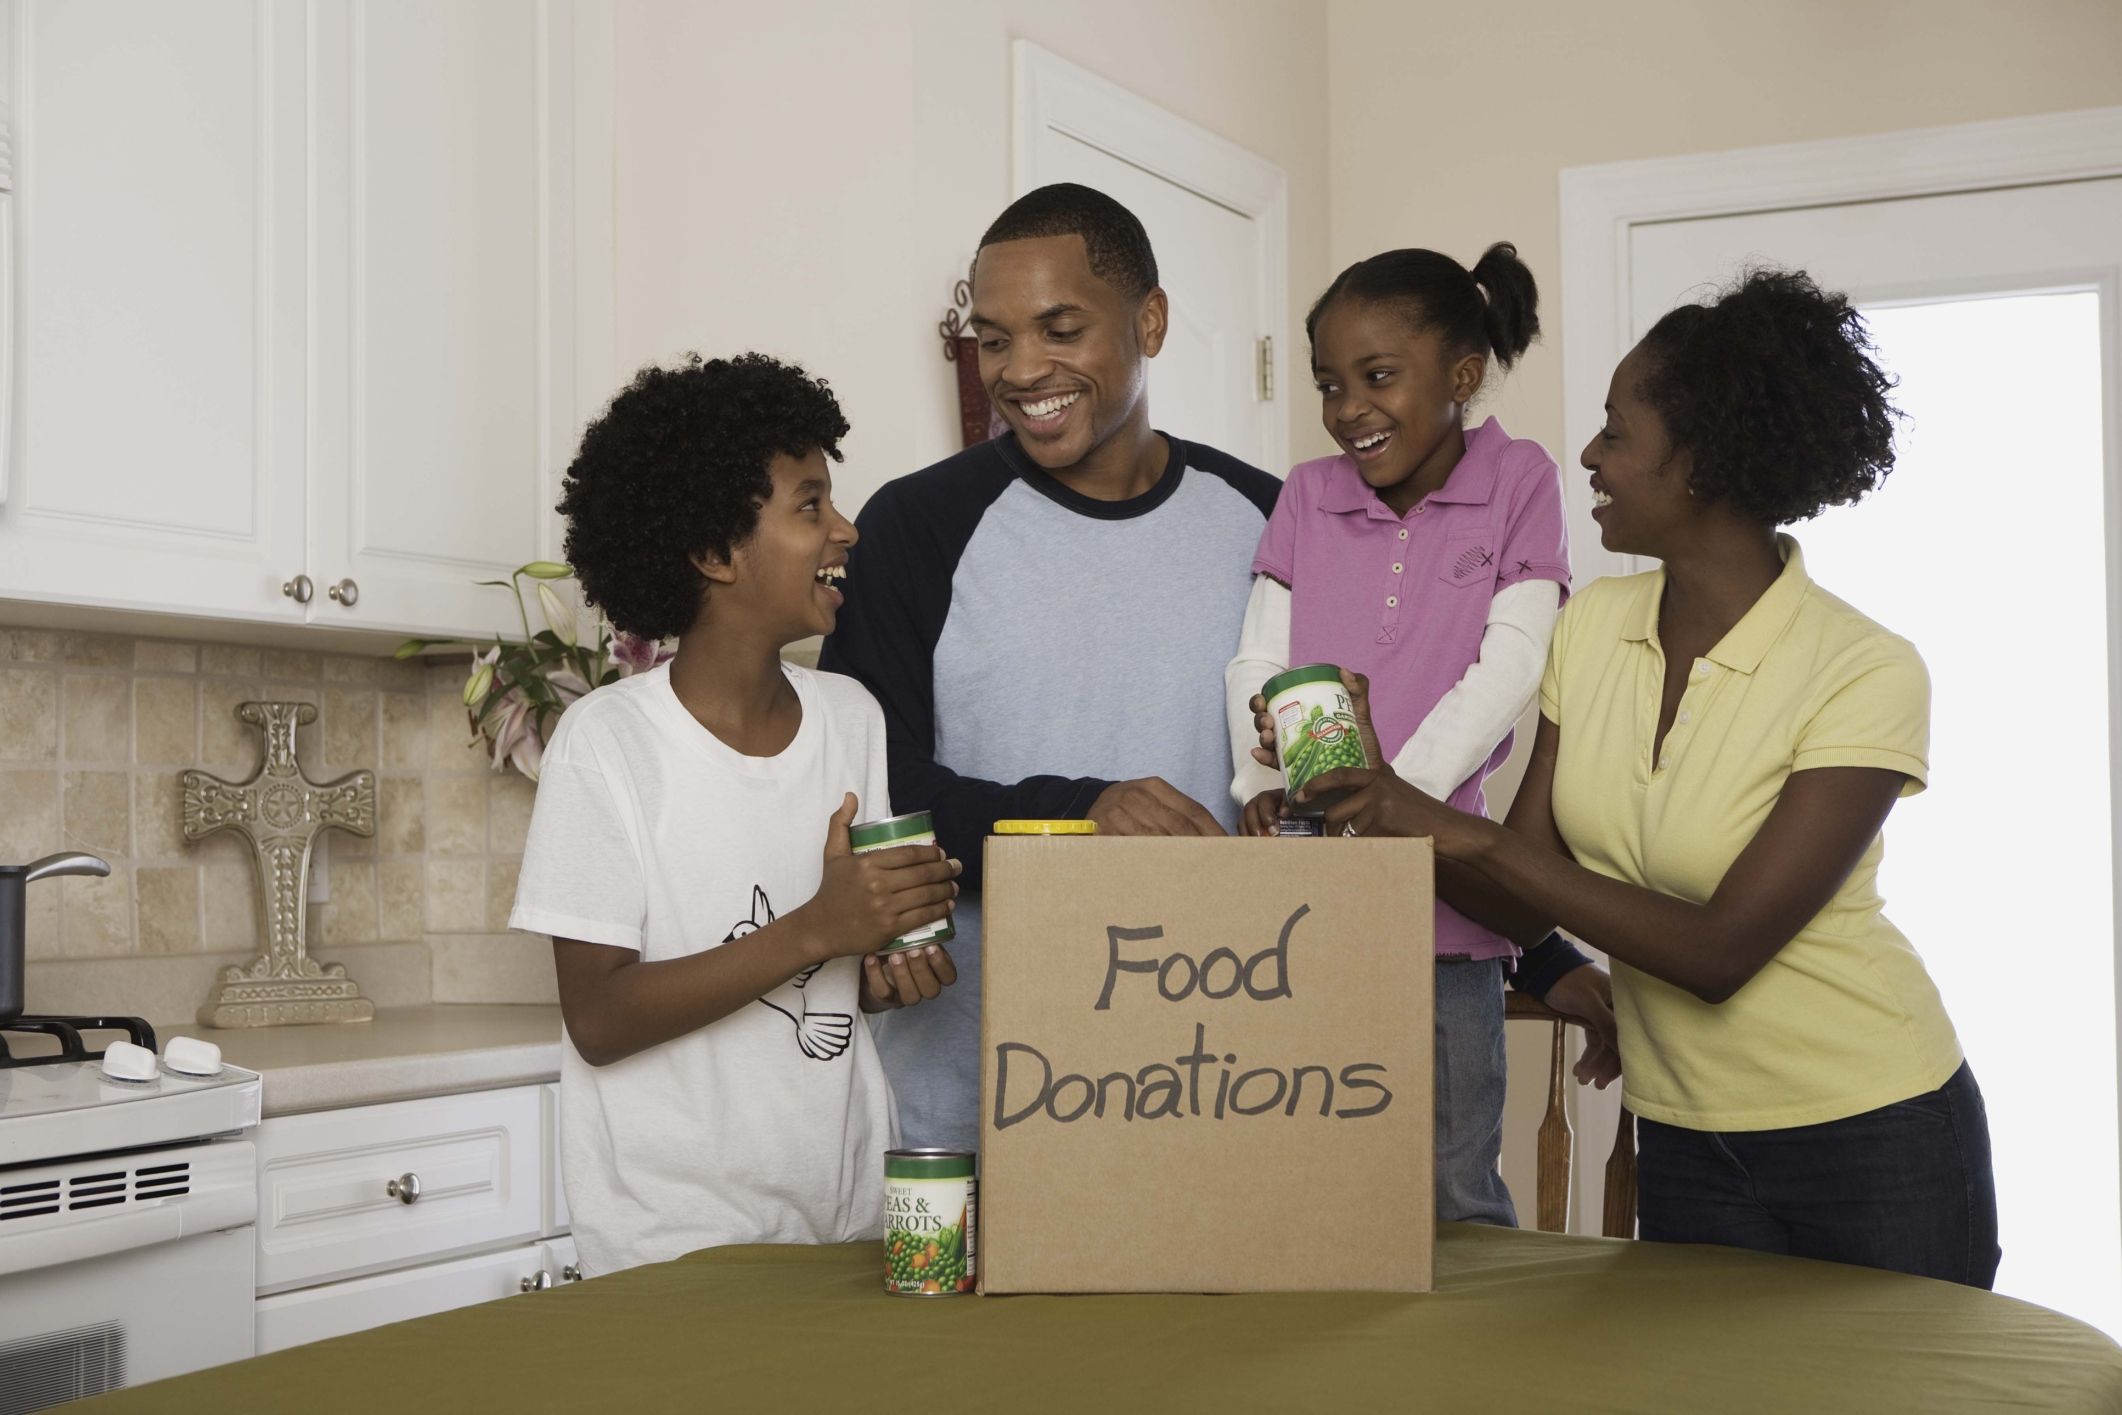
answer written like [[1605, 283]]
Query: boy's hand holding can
[[866, 901]]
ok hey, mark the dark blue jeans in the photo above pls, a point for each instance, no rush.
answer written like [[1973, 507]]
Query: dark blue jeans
[[1907, 1187]]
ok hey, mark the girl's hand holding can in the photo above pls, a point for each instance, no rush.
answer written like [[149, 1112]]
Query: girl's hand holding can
[[866, 901], [1261, 813]]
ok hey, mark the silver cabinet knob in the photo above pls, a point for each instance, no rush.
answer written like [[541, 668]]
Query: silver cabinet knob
[[345, 592], [405, 1188], [570, 1273], [538, 1281], [299, 589]]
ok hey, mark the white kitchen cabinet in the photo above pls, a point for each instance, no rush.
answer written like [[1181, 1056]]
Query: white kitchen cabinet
[[339, 1249], [343, 1192], [299, 297], [159, 395], [556, 1216], [312, 1314]]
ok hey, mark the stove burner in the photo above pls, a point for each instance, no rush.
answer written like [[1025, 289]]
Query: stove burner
[[68, 1030]]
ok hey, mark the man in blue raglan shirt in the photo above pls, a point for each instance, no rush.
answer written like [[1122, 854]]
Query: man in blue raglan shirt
[[1046, 617]]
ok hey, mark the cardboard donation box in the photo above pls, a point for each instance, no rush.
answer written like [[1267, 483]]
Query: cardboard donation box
[[1206, 1065]]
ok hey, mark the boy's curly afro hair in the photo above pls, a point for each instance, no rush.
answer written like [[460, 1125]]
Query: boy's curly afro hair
[[676, 467], [1773, 386]]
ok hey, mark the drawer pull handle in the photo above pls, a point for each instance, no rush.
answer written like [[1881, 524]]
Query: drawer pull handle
[[346, 593], [570, 1273], [538, 1282], [405, 1188]]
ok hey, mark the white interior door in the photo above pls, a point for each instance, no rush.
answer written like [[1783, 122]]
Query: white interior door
[[1216, 219], [1994, 547]]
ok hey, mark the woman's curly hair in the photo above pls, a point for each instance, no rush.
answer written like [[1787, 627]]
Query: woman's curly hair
[[1774, 388], [676, 467]]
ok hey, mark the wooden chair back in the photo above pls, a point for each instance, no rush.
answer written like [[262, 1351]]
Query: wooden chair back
[[1556, 1140]]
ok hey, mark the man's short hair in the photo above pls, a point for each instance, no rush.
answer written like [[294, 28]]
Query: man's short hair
[[1114, 240]]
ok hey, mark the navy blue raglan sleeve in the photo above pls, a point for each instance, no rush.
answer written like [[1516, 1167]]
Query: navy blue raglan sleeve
[[912, 535]]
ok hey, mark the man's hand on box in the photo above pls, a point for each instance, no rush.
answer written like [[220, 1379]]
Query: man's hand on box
[[1151, 806], [905, 977]]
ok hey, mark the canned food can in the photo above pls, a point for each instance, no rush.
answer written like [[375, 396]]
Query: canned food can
[[929, 1222], [1300, 826], [1315, 727], [913, 828], [1053, 827]]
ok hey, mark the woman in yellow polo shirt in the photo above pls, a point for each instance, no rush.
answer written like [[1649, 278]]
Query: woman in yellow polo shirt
[[1720, 743]]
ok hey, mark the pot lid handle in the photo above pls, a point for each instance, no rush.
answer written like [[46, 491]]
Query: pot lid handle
[[72, 863]]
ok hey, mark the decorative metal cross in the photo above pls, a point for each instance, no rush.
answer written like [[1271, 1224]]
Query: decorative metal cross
[[280, 812]]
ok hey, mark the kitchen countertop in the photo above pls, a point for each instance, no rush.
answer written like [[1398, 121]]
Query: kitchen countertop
[[405, 1052]]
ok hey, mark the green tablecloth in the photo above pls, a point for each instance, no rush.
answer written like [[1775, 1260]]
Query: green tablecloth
[[1519, 1321]]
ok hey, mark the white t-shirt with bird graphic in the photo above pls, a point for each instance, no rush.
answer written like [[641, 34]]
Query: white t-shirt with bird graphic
[[651, 834]]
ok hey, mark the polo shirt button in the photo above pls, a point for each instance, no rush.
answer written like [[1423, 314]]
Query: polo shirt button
[[1418, 511], [1392, 601], [1682, 717], [1403, 534], [1702, 668], [1396, 569]]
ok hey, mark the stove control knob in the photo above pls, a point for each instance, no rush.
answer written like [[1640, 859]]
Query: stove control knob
[[126, 1062], [188, 1056]]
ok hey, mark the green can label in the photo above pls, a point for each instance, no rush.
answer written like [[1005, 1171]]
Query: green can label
[[913, 828], [1315, 728], [929, 1222]]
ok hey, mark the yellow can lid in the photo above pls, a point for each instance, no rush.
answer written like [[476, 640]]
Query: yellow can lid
[[1046, 827]]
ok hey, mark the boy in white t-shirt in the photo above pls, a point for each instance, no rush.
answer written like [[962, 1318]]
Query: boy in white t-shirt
[[688, 852]]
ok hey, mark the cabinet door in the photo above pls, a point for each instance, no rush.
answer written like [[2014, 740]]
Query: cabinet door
[[343, 1192], [157, 454], [445, 278], [314, 1313]]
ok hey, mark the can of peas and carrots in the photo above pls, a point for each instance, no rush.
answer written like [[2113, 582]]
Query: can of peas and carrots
[[929, 1219], [1315, 728], [913, 828]]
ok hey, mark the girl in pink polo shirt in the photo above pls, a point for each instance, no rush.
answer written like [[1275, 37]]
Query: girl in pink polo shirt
[[1432, 559]]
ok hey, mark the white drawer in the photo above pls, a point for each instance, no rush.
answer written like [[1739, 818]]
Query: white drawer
[[324, 1208], [556, 1216], [295, 1318]]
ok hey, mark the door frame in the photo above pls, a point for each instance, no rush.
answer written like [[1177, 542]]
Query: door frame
[[1049, 94], [1602, 205]]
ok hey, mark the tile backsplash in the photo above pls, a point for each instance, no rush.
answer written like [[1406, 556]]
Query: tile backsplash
[[95, 730]]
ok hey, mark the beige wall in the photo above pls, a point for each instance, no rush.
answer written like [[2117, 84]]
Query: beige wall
[[811, 179], [1454, 148]]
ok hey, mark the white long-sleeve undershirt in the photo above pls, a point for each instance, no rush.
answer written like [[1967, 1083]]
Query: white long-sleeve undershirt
[[1460, 731]]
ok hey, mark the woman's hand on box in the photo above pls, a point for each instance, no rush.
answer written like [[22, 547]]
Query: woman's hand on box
[[905, 977], [1261, 813], [1587, 994]]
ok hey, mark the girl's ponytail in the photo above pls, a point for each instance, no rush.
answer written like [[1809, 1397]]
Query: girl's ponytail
[[1512, 319], [1494, 307]]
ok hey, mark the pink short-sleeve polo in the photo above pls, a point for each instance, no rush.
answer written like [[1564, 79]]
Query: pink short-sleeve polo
[[1404, 599]]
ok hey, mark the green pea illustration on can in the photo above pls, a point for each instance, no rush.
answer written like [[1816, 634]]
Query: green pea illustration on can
[[929, 1222], [1315, 727], [913, 828]]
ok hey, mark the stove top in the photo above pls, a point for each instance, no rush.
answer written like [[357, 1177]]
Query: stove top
[[59, 1104], [67, 1031]]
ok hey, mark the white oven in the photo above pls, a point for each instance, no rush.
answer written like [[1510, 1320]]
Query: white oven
[[129, 1254]]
